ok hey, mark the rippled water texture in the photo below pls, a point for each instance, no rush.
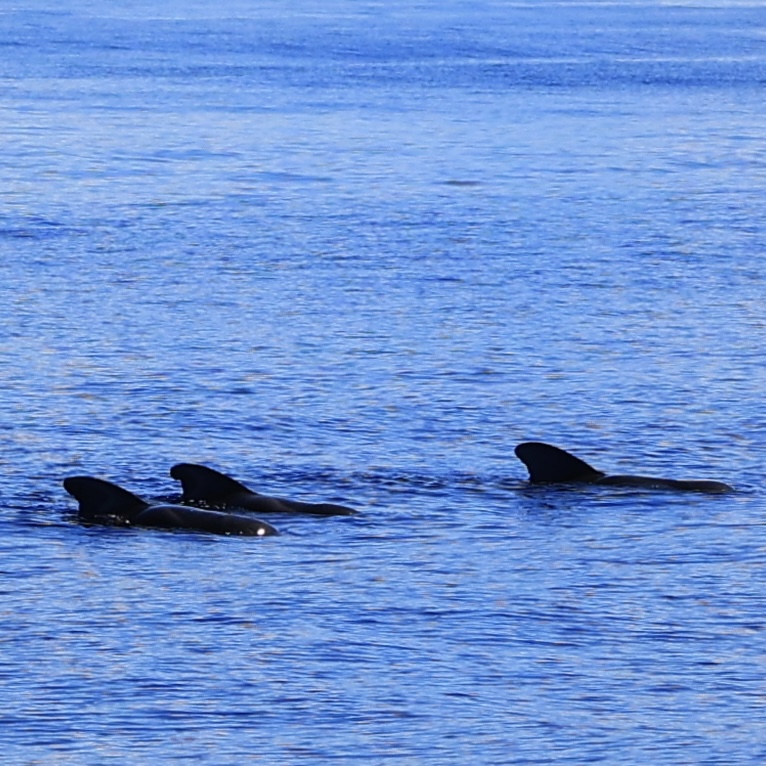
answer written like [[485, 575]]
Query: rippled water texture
[[354, 253]]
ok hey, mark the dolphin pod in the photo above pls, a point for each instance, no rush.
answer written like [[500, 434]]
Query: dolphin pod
[[203, 485], [102, 502], [551, 465], [210, 499]]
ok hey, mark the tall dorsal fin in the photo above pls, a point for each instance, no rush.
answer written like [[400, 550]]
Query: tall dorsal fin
[[102, 498], [548, 464], [202, 483]]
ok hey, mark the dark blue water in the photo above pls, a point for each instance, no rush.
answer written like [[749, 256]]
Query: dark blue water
[[355, 252]]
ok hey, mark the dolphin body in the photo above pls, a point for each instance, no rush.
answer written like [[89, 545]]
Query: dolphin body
[[550, 465], [102, 502], [203, 485]]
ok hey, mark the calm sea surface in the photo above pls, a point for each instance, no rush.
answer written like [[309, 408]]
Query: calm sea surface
[[355, 252]]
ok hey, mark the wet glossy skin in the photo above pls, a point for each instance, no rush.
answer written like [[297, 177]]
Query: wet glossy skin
[[551, 465], [102, 502], [209, 487]]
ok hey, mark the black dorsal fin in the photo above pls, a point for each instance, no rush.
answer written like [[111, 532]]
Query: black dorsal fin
[[202, 483], [549, 464], [102, 498]]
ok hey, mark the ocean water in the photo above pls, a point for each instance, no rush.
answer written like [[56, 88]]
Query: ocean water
[[355, 252]]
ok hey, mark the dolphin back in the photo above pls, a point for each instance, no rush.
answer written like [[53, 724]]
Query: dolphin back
[[206, 487], [182, 517], [99, 498], [651, 482], [204, 484], [548, 464]]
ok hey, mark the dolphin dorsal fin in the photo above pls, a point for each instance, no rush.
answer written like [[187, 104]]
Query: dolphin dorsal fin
[[548, 464], [202, 483], [102, 498]]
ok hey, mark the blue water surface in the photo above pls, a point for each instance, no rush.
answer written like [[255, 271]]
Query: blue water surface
[[355, 252]]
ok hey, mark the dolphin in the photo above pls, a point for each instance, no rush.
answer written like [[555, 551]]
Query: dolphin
[[102, 502], [550, 465], [210, 488]]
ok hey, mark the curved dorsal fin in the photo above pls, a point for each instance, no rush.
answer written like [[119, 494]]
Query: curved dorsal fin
[[547, 464], [102, 498], [202, 483]]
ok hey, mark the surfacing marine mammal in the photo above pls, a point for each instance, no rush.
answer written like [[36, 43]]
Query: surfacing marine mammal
[[551, 465], [217, 490], [101, 502]]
